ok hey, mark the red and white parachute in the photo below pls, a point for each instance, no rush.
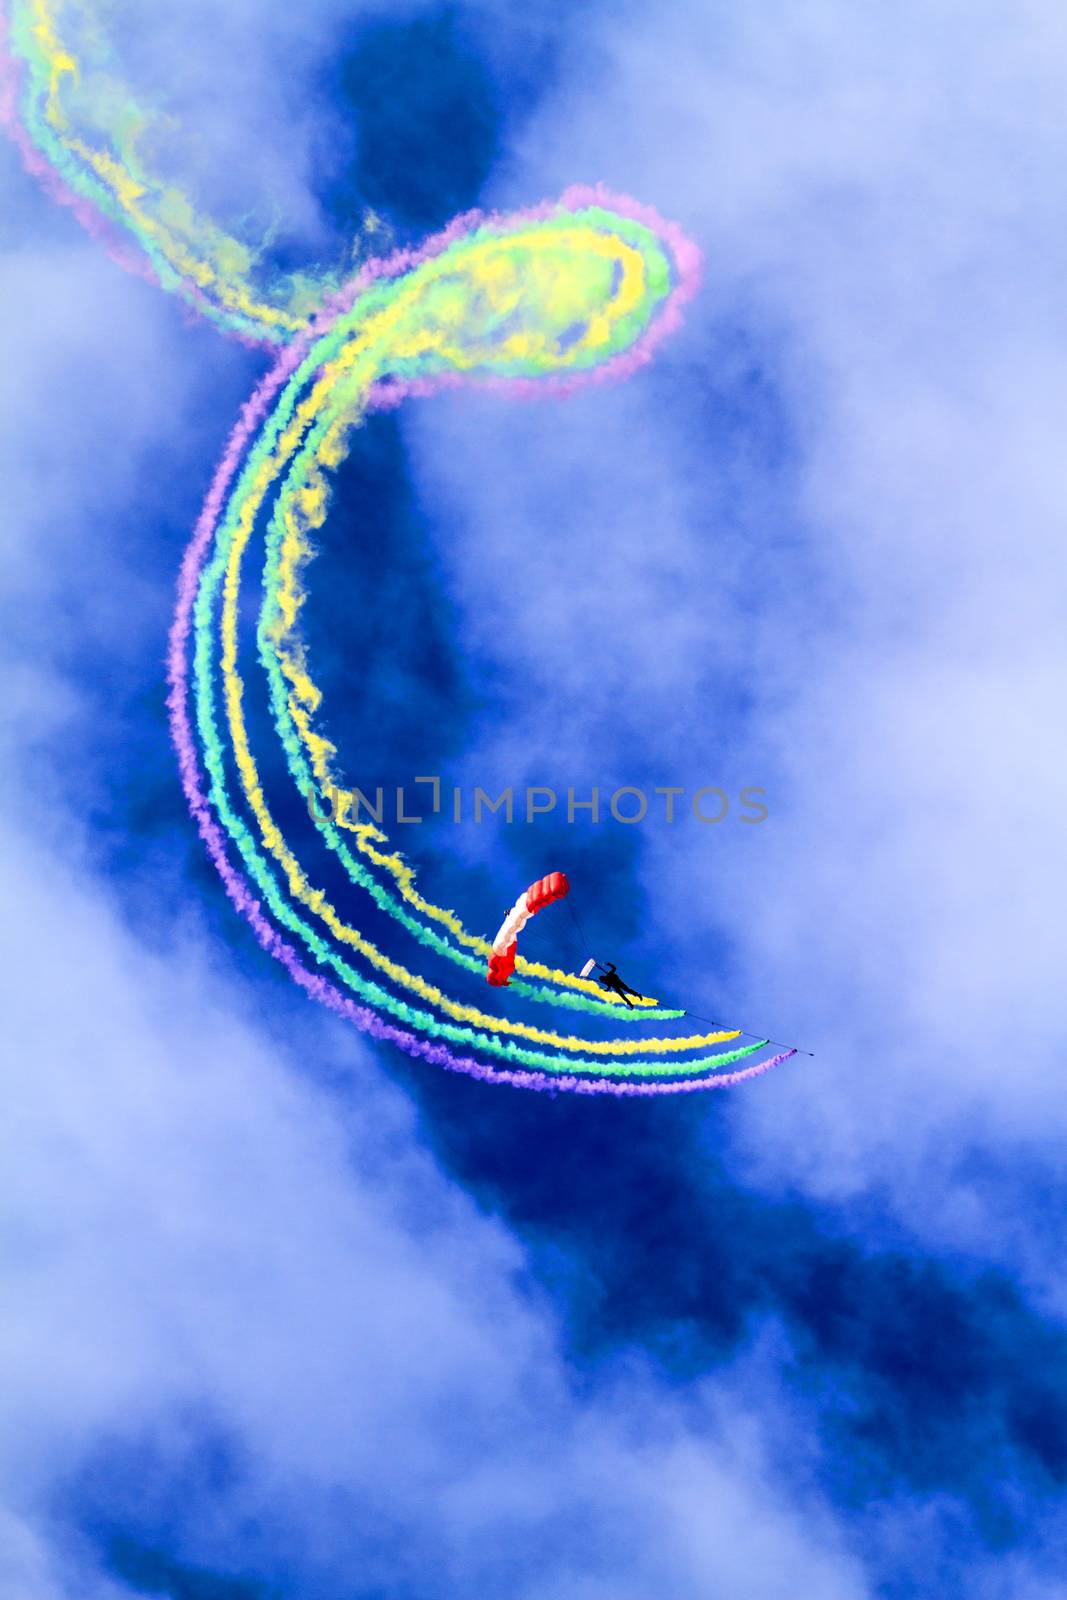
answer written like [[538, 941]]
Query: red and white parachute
[[530, 902]]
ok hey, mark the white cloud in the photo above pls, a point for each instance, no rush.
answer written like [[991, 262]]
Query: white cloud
[[195, 1226], [878, 200]]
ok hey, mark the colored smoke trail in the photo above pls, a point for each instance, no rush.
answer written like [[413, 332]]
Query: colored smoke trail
[[552, 298], [98, 148], [562, 294]]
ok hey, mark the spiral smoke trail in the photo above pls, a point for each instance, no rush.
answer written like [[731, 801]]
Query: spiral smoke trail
[[558, 296]]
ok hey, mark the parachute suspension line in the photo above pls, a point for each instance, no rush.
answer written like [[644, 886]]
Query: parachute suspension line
[[742, 1032], [746, 1033], [581, 931], [550, 943]]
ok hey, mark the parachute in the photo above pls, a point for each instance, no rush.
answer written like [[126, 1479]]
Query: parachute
[[532, 900]]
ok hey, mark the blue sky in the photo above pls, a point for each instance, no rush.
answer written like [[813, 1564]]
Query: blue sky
[[288, 1316]]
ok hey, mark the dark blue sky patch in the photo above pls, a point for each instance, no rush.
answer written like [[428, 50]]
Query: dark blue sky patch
[[427, 117], [380, 632], [149, 1501], [153, 1571]]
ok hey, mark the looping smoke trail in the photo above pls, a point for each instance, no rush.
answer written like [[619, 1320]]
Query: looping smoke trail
[[96, 146], [565, 294]]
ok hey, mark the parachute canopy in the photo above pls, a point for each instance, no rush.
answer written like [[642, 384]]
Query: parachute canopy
[[532, 900]]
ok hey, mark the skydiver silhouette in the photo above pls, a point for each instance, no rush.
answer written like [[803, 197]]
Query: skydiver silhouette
[[611, 980]]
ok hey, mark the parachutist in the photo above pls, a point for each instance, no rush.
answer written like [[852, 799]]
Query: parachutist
[[612, 980]]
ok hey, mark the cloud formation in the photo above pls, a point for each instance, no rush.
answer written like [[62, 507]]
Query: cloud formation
[[264, 1341], [820, 550], [226, 1285]]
